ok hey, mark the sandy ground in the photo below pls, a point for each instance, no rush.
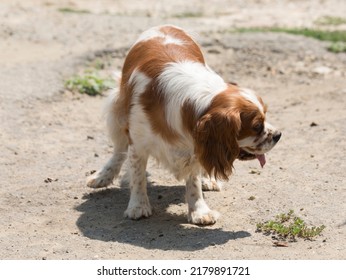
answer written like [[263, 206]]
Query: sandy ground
[[50, 139]]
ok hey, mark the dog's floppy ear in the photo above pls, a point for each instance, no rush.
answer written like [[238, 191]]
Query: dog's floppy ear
[[216, 144]]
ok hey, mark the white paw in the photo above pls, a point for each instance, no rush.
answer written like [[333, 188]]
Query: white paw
[[206, 218], [138, 210], [100, 179], [210, 185]]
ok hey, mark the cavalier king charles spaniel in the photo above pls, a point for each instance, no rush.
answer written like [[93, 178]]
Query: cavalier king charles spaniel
[[172, 106]]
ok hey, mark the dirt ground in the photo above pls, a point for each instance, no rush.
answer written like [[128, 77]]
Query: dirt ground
[[51, 139]]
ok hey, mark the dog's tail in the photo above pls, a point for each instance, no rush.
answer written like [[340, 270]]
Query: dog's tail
[[113, 111], [115, 117]]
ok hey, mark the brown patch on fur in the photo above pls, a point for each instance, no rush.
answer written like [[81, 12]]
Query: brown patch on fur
[[250, 118], [190, 50], [151, 57], [230, 118], [154, 107], [265, 107], [122, 105], [216, 135], [189, 117]]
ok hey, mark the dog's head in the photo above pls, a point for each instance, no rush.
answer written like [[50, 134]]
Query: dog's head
[[234, 127]]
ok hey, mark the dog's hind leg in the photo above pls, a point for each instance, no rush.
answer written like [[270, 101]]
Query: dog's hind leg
[[117, 131], [105, 176]]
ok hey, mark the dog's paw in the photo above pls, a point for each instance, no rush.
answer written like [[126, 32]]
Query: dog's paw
[[100, 179], [208, 218], [137, 211], [211, 185]]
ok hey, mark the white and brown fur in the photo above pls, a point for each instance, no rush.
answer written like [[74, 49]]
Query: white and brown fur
[[173, 107]]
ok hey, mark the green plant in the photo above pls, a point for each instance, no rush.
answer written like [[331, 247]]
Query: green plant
[[338, 37], [323, 35], [71, 10], [189, 15], [97, 64], [89, 83], [289, 226], [330, 20], [337, 47]]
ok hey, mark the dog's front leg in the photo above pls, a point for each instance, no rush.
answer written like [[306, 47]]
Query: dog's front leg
[[210, 184], [139, 205], [199, 212]]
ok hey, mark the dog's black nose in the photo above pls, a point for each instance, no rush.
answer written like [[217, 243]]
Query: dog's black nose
[[276, 137]]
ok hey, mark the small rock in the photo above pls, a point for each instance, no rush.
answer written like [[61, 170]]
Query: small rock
[[253, 171], [88, 173], [214, 51], [322, 70], [49, 180]]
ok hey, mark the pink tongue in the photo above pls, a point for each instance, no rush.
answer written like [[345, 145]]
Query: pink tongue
[[261, 159]]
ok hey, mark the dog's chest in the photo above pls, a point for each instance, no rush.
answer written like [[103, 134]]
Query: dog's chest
[[178, 159]]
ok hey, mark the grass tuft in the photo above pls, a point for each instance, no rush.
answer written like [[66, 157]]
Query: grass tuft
[[323, 35], [330, 20], [289, 227], [338, 37], [89, 83], [74, 11], [188, 15], [337, 47]]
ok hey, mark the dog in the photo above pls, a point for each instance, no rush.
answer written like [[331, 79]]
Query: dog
[[172, 106]]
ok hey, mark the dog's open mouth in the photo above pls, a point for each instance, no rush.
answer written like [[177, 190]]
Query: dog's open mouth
[[244, 155]]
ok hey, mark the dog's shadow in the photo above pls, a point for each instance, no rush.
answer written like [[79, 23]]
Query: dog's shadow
[[102, 219]]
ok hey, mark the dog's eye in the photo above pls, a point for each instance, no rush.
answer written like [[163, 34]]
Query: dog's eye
[[258, 128]]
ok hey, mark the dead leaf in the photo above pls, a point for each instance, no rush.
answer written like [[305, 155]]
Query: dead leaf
[[280, 244]]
